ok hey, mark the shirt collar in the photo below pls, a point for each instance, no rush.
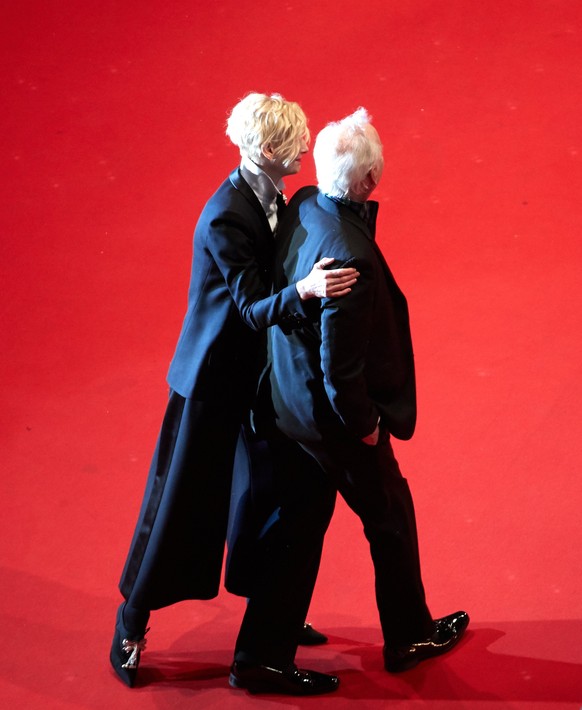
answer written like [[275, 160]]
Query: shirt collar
[[260, 183]]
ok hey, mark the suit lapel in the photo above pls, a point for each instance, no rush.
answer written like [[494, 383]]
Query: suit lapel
[[240, 184]]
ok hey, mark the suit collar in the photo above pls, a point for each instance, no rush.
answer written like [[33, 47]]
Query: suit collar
[[344, 212], [240, 184]]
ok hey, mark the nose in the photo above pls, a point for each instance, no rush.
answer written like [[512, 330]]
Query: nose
[[304, 146]]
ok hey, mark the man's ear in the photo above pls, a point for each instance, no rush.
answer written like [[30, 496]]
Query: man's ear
[[362, 187], [369, 183]]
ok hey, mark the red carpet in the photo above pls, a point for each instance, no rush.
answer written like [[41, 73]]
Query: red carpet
[[112, 135]]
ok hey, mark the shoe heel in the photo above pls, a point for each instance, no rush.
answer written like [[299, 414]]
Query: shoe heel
[[252, 688]]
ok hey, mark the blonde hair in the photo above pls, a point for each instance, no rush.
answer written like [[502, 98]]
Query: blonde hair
[[260, 119], [344, 153]]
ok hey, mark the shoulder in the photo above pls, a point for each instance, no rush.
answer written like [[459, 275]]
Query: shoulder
[[232, 201], [337, 230], [233, 190], [303, 194]]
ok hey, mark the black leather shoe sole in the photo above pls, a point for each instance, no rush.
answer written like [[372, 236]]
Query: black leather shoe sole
[[448, 632], [291, 681]]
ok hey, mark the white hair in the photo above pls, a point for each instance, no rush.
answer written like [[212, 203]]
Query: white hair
[[259, 120], [345, 152]]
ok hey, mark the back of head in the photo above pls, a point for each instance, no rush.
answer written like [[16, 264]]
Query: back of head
[[345, 152], [261, 119]]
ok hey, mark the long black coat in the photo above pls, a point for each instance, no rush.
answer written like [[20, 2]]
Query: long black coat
[[178, 545], [352, 361]]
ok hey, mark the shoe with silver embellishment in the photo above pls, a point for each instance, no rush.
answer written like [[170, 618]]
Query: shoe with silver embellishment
[[126, 650], [448, 632]]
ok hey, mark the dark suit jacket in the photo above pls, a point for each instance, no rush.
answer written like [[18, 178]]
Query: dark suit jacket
[[353, 362], [178, 545], [229, 300]]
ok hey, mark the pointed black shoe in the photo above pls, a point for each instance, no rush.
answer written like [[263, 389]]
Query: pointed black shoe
[[448, 632], [126, 650], [289, 681], [310, 636]]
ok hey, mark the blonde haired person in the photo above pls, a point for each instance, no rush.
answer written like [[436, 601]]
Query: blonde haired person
[[178, 545], [261, 123]]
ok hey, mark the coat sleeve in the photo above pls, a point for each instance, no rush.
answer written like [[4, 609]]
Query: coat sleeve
[[345, 333], [233, 248]]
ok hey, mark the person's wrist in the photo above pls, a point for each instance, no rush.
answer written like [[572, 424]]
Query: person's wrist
[[304, 294]]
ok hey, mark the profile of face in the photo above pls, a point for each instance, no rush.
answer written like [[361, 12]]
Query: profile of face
[[277, 166], [373, 177], [364, 189]]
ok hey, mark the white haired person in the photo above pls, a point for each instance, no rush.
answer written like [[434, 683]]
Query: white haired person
[[178, 545], [342, 385]]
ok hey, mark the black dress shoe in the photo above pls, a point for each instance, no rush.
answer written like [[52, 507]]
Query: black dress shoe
[[310, 636], [289, 681], [448, 631], [126, 650]]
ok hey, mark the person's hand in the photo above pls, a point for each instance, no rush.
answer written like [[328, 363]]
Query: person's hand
[[326, 283], [372, 439]]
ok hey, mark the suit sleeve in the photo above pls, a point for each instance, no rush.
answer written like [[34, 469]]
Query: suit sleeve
[[233, 248], [345, 333]]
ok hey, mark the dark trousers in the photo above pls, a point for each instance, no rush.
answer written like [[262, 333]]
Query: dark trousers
[[308, 477], [178, 545], [370, 481], [289, 546]]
